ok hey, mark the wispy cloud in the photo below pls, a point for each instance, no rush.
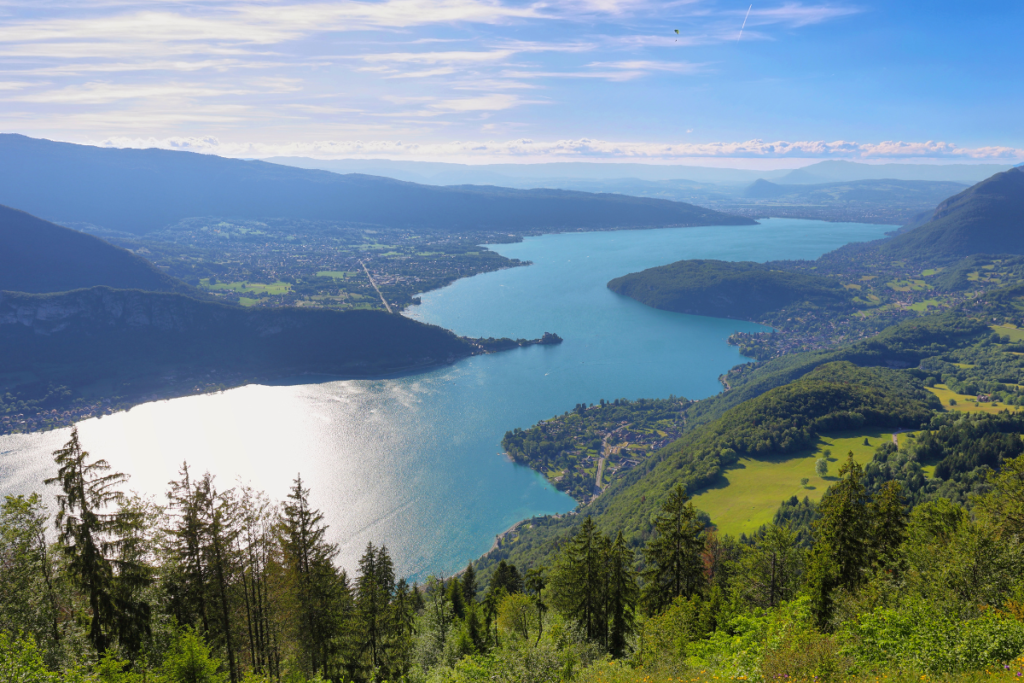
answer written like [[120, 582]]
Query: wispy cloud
[[104, 93], [582, 148]]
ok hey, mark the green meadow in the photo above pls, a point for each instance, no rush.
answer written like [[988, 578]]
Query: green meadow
[[748, 494]]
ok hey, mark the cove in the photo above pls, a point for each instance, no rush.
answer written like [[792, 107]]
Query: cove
[[413, 461]]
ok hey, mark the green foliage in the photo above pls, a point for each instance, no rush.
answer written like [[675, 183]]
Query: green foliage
[[22, 662], [189, 660], [742, 290]]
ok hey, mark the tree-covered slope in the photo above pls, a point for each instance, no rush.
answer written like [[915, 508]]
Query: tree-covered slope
[[106, 332], [38, 256], [743, 290], [137, 191], [987, 218]]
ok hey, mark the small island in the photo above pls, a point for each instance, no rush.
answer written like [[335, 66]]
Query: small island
[[491, 345]]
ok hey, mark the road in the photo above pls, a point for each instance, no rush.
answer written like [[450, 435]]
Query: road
[[370, 278]]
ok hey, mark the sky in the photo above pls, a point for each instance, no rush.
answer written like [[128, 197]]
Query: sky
[[775, 83]]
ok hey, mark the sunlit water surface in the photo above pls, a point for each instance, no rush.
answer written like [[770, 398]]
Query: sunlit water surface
[[414, 462]]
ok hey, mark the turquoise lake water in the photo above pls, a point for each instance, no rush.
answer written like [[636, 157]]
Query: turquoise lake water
[[414, 462]]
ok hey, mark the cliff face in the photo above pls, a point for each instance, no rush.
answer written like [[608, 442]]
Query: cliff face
[[102, 326]]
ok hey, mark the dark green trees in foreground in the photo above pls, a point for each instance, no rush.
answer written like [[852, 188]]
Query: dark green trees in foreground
[[225, 586]]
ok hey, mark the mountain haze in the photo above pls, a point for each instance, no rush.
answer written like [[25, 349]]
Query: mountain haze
[[38, 256], [137, 191], [845, 171], [987, 218]]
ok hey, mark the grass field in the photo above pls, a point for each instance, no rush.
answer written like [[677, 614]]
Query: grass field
[[1015, 333], [748, 494], [338, 274], [273, 289], [965, 403]]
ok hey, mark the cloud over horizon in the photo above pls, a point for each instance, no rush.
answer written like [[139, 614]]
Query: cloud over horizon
[[581, 149], [578, 74]]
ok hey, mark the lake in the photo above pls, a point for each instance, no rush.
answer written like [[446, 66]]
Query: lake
[[414, 462]]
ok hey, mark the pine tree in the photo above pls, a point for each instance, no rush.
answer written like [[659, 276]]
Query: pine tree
[[455, 597], [535, 582], [187, 578], [469, 584], [375, 587], [770, 570], [889, 516], [673, 556], [623, 593], [506, 576], [221, 531], [841, 552], [319, 593], [579, 581], [90, 536]]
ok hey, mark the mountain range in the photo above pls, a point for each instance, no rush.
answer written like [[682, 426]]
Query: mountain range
[[579, 175], [137, 191]]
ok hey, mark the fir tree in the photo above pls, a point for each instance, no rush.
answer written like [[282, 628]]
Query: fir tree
[[374, 589], [673, 557], [320, 594], [842, 533], [623, 593], [579, 581], [469, 584], [90, 536]]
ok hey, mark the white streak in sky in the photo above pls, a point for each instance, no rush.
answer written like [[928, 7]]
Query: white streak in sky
[[747, 16]]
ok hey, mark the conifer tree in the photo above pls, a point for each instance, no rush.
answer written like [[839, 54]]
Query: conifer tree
[[770, 570], [469, 584], [842, 533], [535, 582], [888, 524], [673, 556], [90, 535], [579, 581], [623, 593], [374, 589], [456, 598], [320, 593]]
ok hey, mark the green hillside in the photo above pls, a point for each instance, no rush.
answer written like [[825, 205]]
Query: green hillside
[[987, 218], [742, 290], [38, 256]]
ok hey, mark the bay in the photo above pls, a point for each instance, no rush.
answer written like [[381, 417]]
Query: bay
[[414, 462]]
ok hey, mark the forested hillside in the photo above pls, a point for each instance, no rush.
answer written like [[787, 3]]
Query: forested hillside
[[983, 219], [137, 191], [723, 289], [56, 348], [38, 256]]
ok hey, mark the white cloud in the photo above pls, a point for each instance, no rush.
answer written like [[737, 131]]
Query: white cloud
[[104, 93], [452, 57], [582, 148]]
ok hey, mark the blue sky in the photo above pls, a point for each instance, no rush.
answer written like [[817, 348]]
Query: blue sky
[[493, 80]]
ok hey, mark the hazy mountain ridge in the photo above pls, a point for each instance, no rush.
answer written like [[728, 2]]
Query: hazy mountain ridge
[[987, 218], [137, 191], [39, 256]]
